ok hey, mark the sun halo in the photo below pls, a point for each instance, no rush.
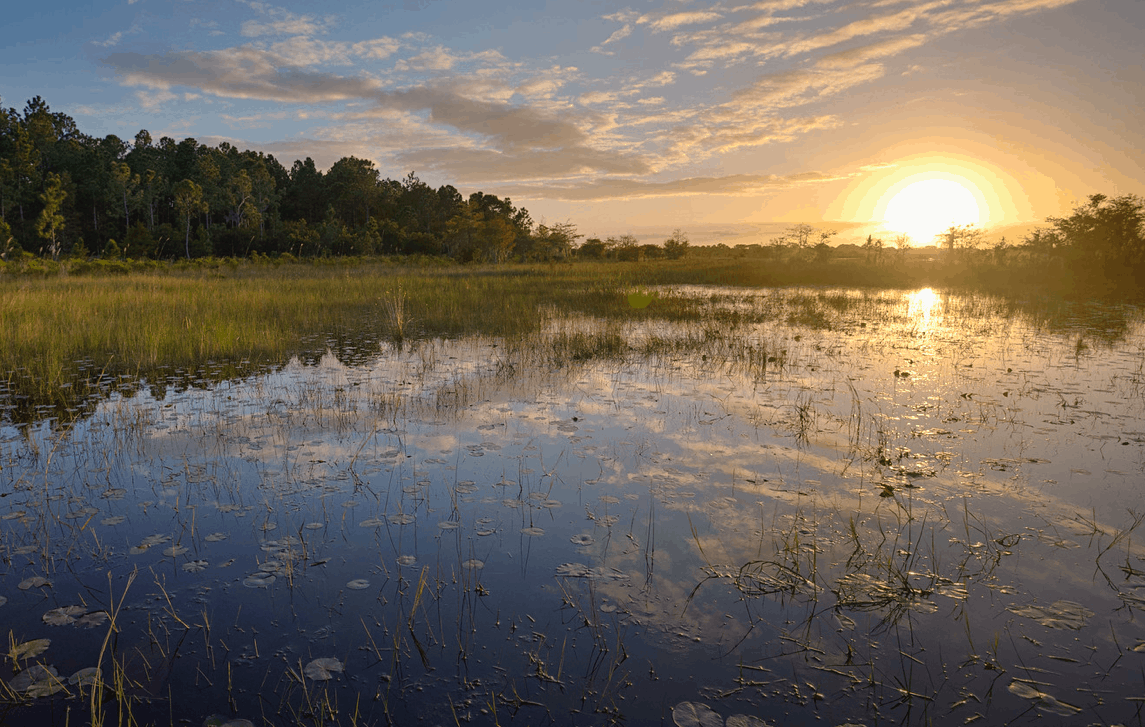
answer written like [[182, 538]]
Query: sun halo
[[924, 208]]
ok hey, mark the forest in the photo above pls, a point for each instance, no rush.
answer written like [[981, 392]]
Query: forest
[[65, 193]]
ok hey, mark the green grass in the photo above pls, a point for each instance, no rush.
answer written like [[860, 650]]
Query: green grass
[[66, 324]]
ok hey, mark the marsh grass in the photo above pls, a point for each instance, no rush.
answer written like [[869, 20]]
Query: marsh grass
[[70, 339]]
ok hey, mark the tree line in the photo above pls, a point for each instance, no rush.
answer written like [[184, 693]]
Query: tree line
[[63, 192]]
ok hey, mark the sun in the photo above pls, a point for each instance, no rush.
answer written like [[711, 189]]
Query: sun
[[924, 208]]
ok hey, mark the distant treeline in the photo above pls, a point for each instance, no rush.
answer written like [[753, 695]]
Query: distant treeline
[[64, 193]]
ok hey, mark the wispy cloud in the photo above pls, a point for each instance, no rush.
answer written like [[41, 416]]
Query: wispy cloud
[[737, 184], [278, 21], [672, 21]]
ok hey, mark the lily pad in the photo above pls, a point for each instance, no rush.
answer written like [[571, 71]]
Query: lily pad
[[372, 523], [29, 649], [473, 564], [34, 674], [3, 600], [195, 566], [259, 580], [745, 720], [323, 669], [407, 560], [85, 677], [449, 525], [63, 615], [401, 518], [33, 582], [215, 537], [217, 720], [582, 539], [113, 520], [175, 550], [358, 584], [533, 531], [695, 714], [93, 619]]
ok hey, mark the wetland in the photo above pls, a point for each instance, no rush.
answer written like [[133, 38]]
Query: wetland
[[605, 501]]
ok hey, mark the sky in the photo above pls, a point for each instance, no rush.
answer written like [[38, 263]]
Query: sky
[[727, 120]]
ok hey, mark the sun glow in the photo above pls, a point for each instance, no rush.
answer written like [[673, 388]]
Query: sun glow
[[922, 209]]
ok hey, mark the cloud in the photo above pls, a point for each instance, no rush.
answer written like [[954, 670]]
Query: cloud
[[505, 125], [242, 72], [677, 20], [801, 86], [736, 184], [479, 165], [282, 22], [620, 34], [863, 54]]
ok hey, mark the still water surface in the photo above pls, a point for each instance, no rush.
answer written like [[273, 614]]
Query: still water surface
[[900, 507]]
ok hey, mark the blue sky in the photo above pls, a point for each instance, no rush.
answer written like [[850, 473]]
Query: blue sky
[[722, 118]]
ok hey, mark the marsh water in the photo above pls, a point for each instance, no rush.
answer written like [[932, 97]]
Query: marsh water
[[811, 505]]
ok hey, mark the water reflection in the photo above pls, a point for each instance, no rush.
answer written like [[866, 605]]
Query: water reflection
[[747, 516], [923, 306]]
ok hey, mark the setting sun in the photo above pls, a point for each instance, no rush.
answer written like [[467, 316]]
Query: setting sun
[[925, 208]]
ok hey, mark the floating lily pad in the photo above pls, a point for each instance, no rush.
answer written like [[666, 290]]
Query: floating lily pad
[[3, 600], [745, 720], [259, 580], [195, 566], [449, 525], [63, 615], [358, 584], [372, 523], [483, 532], [1057, 615], [216, 720], [85, 677], [93, 619], [401, 518], [314, 526], [473, 564], [695, 714], [216, 537], [175, 550], [29, 649], [33, 582], [323, 669], [407, 560], [34, 674], [533, 531], [583, 539], [113, 520]]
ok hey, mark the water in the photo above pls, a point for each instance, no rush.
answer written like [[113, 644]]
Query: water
[[868, 507]]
